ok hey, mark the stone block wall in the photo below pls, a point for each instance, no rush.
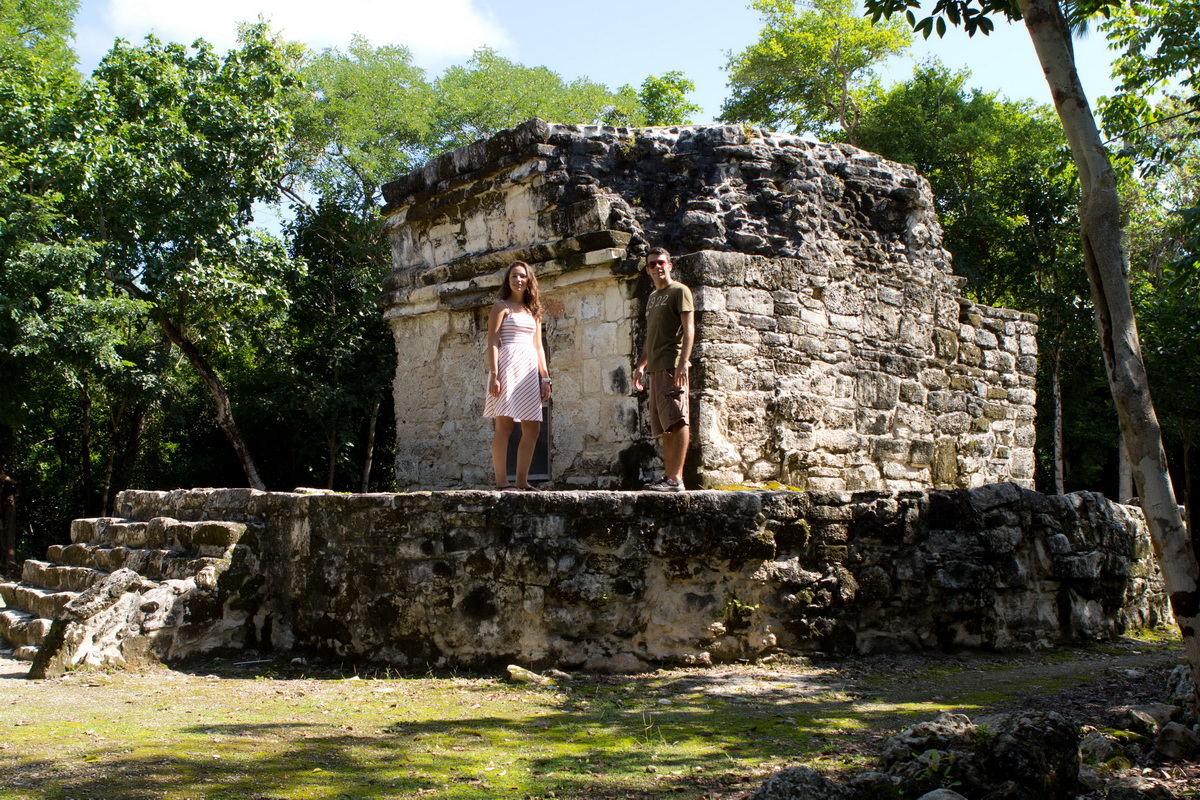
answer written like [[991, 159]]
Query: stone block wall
[[834, 348], [622, 580], [823, 375]]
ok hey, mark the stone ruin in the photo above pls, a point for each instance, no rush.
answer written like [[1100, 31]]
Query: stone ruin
[[834, 348], [592, 580], [835, 354]]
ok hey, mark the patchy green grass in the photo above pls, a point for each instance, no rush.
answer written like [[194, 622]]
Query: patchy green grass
[[221, 732], [1161, 635]]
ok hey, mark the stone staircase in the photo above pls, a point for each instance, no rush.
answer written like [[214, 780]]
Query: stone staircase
[[142, 574]]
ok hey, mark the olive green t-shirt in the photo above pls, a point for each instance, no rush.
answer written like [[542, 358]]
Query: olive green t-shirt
[[664, 332]]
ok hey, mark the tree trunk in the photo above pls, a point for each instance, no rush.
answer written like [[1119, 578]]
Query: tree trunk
[[8, 518], [1125, 493], [330, 458], [129, 453], [366, 473], [85, 444], [1059, 457], [1099, 216], [114, 424], [220, 399]]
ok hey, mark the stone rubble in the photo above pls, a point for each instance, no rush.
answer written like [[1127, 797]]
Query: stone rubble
[[1018, 756]]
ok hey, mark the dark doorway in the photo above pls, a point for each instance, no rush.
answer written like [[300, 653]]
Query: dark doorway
[[539, 470]]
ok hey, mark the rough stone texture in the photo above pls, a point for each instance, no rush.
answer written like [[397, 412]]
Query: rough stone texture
[[834, 349], [798, 783], [1181, 689], [1003, 757], [1177, 742], [1023, 756], [1137, 788], [620, 581], [125, 592]]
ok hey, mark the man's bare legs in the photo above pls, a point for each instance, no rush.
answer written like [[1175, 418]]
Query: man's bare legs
[[675, 445]]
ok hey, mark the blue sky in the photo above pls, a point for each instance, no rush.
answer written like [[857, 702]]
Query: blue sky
[[616, 42]]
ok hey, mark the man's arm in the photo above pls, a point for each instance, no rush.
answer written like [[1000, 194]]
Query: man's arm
[[688, 326], [639, 370]]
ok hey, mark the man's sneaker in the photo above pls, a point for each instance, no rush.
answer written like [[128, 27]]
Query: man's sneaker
[[665, 485]]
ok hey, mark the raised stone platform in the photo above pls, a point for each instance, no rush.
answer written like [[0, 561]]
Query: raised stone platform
[[594, 579], [620, 580]]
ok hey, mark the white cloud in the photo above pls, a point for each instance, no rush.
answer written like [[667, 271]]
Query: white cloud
[[437, 32]]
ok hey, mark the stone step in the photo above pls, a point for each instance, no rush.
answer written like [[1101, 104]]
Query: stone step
[[59, 577], [22, 629], [208, 538], [39, 602], [25, 653], [153, 564]]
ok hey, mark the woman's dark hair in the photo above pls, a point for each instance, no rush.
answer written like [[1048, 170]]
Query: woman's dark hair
[[532, 300]]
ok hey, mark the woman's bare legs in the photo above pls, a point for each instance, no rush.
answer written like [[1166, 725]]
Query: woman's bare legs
[[502, 428], [529, 436]]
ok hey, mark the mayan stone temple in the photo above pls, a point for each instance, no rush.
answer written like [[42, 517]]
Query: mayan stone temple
[[862, 456], [834, 349]]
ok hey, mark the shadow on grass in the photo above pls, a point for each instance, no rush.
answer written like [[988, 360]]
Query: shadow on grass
[[686, 734], [602, 743]]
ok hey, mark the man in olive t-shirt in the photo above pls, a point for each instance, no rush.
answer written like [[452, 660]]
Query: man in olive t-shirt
[[670, 331]]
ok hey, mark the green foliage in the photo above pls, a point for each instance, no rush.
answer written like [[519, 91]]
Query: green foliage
[[339, 360], [126, 202], [1164, 250], [1157, 51], [38, 31], [812, 68], [976, 16], [490, 93], [184, 144], [1001, 181], [364, 117], [664, 99], [733, 608]]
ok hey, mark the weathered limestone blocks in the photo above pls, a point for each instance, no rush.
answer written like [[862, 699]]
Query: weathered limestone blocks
[[834, 349], [843, 379], [125, 592], [593, 579]]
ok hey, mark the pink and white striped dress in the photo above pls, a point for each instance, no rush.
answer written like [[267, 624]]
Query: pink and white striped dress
[[520, 384]]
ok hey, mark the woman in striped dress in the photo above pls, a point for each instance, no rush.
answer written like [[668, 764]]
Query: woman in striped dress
[[518, 379]]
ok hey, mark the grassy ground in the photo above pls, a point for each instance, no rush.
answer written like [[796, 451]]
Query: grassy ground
[[272, 729]]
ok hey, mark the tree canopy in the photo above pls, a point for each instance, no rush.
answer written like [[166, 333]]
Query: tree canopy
[[812, 68]]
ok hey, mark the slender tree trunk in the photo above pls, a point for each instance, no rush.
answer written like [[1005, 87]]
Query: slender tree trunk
[[220, 399], [85, 448], [331, 434], [1059, 458], [366, 473], [8, 517], [129, 454], [114, 418], [121, 457], [1125, 493], [330, 457], [1099, 215]]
